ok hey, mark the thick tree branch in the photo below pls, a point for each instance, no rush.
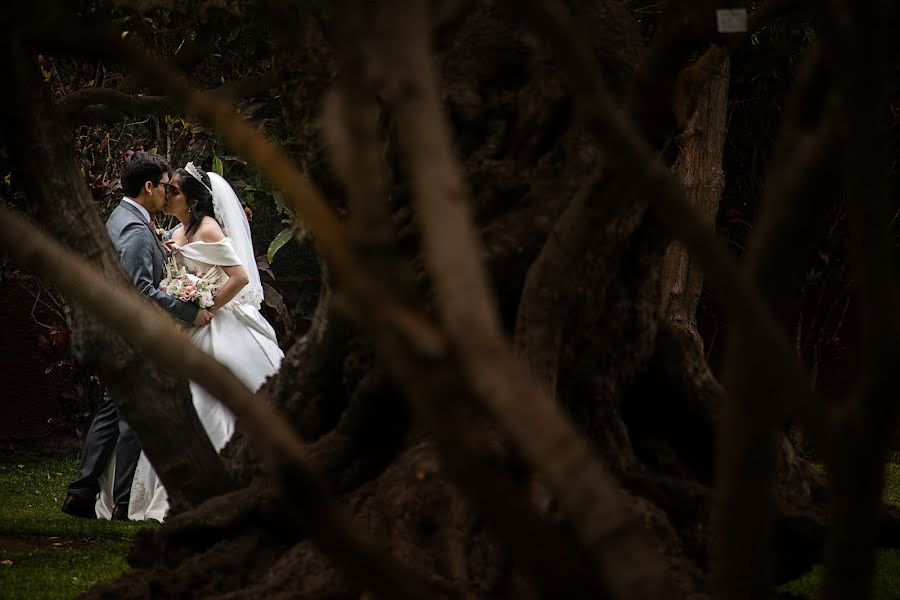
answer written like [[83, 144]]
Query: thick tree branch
[[617, 546], [867, 420], [548, 292], [860, 79], [451, 246], [90, 106], [351, 120]]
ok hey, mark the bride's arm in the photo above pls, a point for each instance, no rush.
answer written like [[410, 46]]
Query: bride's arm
[[209, 231], [237, 279]]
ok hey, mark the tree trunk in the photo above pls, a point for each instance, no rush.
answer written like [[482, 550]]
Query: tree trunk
[[699, 167]]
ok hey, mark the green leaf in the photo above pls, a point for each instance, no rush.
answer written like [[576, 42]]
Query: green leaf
[[281, 204], [217, 167], [280, 240]]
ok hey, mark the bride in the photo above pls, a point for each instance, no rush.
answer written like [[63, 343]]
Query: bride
[[213, 233]]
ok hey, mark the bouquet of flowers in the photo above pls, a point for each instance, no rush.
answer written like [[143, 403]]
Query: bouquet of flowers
[[188, 287]]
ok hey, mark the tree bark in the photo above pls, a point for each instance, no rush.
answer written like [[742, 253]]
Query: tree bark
[[699, 167], [94, 105]]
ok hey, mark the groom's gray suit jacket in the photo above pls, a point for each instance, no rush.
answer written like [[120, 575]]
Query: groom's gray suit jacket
[[143, 257]]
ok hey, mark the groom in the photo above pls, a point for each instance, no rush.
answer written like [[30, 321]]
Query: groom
[[145, 180]]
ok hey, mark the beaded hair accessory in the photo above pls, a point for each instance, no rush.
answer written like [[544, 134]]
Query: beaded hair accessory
[[190, 168]]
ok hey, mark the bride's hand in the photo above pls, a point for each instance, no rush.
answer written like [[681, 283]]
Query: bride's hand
[[203, 317], [167, 246]]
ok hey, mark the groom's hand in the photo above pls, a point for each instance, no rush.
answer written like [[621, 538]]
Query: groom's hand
[[203, 317]]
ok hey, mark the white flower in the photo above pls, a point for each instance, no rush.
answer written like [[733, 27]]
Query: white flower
[[205, 299]]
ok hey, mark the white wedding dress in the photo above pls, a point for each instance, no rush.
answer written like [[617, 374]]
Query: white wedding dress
[[238, 337]]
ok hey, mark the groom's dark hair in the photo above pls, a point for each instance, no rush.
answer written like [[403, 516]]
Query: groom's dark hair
[[140, 168]]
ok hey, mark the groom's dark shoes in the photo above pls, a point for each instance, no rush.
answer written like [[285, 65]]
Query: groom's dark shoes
[[120, 512], [79, 507]]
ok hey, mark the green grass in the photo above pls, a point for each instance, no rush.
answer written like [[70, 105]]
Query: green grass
[[892, 484], [78, 553], [31, 495], [53, 574]]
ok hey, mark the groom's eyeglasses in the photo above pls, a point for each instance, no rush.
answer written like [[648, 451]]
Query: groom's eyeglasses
[[171, 190]]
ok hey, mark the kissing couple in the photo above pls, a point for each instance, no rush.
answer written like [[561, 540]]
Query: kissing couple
[[212, 241]]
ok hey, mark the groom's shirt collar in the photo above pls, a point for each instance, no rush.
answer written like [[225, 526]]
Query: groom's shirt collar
[[139, 207]]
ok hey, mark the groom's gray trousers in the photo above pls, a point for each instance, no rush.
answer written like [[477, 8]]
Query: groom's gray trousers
[[107, 432], [143, 258]]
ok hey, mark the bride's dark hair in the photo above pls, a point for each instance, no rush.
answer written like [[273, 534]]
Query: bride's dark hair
[[199, 198]]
